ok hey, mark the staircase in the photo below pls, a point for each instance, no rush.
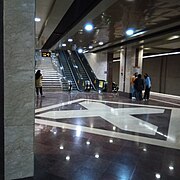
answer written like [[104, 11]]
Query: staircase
[[51, 80]]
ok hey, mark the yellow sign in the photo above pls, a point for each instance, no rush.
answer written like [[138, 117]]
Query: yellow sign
[[46, 54], [101, 84]]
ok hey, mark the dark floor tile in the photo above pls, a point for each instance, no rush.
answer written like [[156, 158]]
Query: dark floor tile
[[44, 175], [122, 171], [86, 174]]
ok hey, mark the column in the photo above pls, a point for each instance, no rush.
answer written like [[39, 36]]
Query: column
[[109, 70], [130, 62], [19, 88], [1, 95]]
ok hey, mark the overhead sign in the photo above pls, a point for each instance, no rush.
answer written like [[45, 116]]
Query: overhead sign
[[46, 54]]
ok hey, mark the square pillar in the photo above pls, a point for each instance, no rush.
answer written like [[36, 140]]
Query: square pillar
[[131, 62], [109, 70], [19, 42], [1, 94]]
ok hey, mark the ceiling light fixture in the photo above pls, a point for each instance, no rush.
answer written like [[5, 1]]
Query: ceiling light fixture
[[90, 47], [158, 55], [88, 27], [158, 176], [64, 45], [101, 43], [70, 40], [80, 50], [173, 37], [139, 33], [130, 32], [37, 19], [67, 158], [97, 155], [88, 142], [171, 168]]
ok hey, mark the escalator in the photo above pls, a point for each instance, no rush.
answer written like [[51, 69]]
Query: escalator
[[67, 71], [80, 69], [77, 70], [91, 75]]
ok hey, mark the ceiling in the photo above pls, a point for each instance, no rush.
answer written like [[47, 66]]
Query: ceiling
[[154, 22]]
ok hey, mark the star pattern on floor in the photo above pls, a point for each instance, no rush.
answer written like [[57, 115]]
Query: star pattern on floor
[[119, 117], [124, 118]]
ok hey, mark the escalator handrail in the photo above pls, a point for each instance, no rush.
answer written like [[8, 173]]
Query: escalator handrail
[[67, 60], [91, 75], [61, 65], [84, 69]]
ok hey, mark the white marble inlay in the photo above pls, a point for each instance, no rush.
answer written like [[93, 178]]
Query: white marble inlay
[[120, 117]]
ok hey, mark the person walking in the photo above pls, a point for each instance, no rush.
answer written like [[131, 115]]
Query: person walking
[[38, 83], [139, 86], [147, 82]]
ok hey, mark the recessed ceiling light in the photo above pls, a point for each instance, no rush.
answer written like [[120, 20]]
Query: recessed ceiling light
[[88, 27], [173, 37], [101, 43], [80, 50], [37, 19], [171, 168], [67, 158], [147, 48], [158, 176], [61, 147], [90, 47], [97, 155], [70, 40], [88, 142], [64, 45], [130, 32]]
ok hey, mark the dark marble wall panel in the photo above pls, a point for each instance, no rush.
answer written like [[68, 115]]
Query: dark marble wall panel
[[172, 85], [164, 72], [116, 72], [152, 66], [1, 95]]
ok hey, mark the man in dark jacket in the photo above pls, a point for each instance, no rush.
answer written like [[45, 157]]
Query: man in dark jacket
[[139, 86]]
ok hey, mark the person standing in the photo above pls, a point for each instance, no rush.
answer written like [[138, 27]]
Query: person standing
[[139, 86], [132, 80], [147, 82], [38, 82]]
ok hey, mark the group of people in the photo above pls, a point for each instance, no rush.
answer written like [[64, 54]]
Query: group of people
[[138, 84]]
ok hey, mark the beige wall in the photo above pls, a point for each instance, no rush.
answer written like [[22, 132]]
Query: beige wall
[[98, 63]]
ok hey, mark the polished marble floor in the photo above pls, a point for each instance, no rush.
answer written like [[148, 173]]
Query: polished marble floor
[[92, 136]]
